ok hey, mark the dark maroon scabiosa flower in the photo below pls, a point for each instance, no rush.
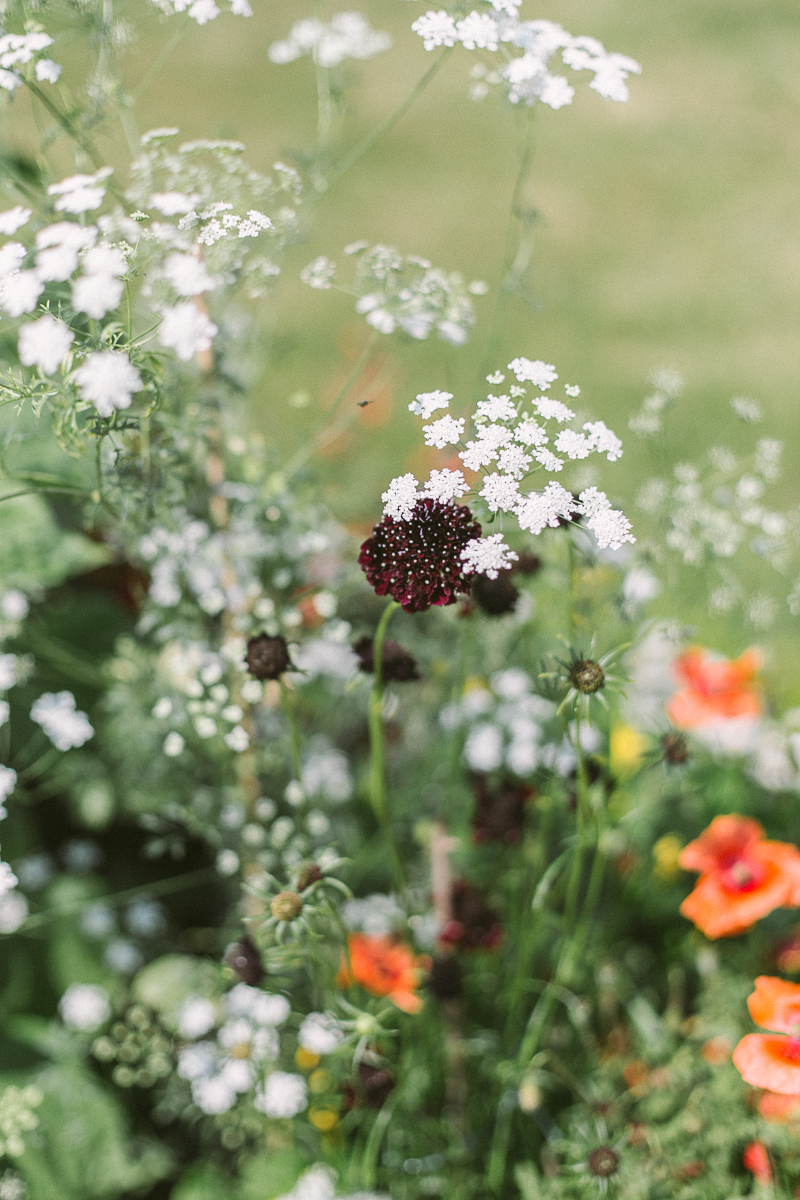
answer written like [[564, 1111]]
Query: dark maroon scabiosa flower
[[267, 657], [418, 562], [474, 924], [397, 665], [499, 813], [528, 563], [376, 1083], [245, 961], [494, 596]]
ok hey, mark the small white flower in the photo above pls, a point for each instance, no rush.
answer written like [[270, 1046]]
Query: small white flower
[[14, 605], [514, 461], [320, 1033], [238, 739], [487, 556], [187, 275], [319, 273], [540, 509], [65, 725], [96, 294], [47, 71], [604, 440], [13, 911], [400, 497], [500, 492], [80, 193], [445, 485], [84, 1006], [173, 204], [8, 880], [8, 779], [282, 1095], [44, 343], [19, 292], [483, 750], [495, 408], [427, 403], [436, 29], [573, 444], [11, 255], [572, 390], [447, 431], [478, 31], [552, 410], [108, 380], [13, 219], [196, 1017], [610, 526], [173, 744], [186, 330], [104, 260], [540, 374], [58, 246]]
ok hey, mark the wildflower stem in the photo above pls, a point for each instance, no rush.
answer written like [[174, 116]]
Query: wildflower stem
[[363, 147], [377, 757], [294, 732]]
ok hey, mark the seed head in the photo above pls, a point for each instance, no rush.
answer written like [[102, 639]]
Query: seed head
[[675, 747], [603, 1162], [267, 657], [286, 906], [587, 676], [309, 873]]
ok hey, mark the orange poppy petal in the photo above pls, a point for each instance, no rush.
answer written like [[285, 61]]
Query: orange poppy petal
[[761, 1061], [406, 1001], [719, 912], [775, 1004], [725, 837], [773, 1106]]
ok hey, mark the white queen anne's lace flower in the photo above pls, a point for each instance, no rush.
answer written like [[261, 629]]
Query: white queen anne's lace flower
[[446, 485], [540, 374], [44, 343], [84, 1006], [427, 403], [320, 1033], [349, 35], [487, 556], [108, 379], [436, 29], [13, 219], [65, 725], [610, 526], [400, 497], [80, 193], [19, 292], [186, 330], [447, 431], [541, 509], [478, 31], [282, 1095]]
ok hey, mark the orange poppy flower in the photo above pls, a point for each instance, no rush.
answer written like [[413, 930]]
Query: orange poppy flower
[[743, 876], [384, 967], [766, 1060], [715, 689], [756, 1159]]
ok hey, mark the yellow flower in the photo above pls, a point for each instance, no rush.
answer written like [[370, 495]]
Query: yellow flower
[[627, 749], [665, 852]]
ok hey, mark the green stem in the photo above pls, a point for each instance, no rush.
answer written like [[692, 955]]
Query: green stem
[[163, 887], [365, 145], [377, 756], [294, 732]]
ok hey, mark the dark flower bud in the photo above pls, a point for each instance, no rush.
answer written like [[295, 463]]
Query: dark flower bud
[[474, 925], [528, 563], [286, 906], [675, 748], [376, 1083], [446, 977], [586, 676], [397, 665], [245, 962], [494, 596], [309, 873], [267, 657], [603, 1162]]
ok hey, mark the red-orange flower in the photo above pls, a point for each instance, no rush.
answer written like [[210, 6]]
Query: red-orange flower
[[743, 876], [766, 1060], [384, 967], [773, 1106], [714, 689], [756, 1160]]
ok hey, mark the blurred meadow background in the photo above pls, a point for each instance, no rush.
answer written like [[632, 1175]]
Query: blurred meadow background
[[666, 229]]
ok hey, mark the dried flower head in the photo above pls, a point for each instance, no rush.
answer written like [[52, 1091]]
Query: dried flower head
[[244, 960], [603, 1162], [397, 665], [587, 676], [286, 906], [267, 657]]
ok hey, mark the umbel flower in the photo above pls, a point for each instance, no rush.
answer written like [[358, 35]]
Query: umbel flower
[[772, 1060], [417, 560], [742, 876], [384, 967]]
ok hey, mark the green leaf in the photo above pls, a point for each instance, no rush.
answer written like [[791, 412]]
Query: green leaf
[[202, 1183], [269, 1174], [167, 982], [34, 551]]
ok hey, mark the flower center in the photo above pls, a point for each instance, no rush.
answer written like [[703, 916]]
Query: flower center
[[603, 1162], [586, 676], [742, 875], [242, 1050]]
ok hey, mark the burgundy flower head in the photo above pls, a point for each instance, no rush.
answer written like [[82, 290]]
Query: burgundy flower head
[[499, 812], [418, 562], [397, 665], [475, 925]]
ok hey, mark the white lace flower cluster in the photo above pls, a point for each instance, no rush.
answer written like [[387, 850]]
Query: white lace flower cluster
[[202, 11], [526, 78], [405, 292], [509, 439], [347, 35], [245, 1042], [18, 51], [60, 718]]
